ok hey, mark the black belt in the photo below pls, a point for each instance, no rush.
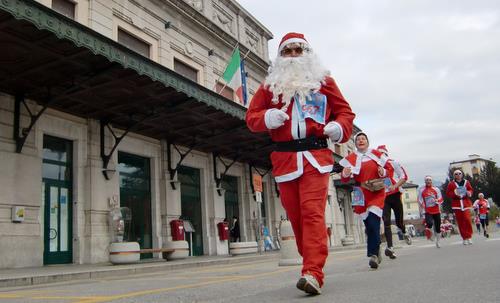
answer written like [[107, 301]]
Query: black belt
[[301, 145]]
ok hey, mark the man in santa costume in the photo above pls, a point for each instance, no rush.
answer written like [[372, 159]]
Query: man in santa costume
[[430, 198], [460, 191], [300, 106], [482, 206], [368, 167], [396, 178]]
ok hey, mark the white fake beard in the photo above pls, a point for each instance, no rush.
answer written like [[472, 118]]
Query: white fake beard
[[289, 76]]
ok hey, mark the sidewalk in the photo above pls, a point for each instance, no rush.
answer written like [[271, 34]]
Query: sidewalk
[[68, 272]]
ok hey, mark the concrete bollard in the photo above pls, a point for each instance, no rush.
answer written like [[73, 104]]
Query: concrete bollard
[[289, 253], [180, 250], [124, 252]]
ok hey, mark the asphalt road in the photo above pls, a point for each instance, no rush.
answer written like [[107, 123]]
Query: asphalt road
[[421, 273]]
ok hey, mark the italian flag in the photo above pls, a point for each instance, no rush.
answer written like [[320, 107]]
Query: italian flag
[[232, 75]]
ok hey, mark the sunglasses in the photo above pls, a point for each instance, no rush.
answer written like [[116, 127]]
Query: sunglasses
[[289, 51], [457, 174]]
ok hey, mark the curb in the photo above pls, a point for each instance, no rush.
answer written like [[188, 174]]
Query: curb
[[123, 270], [108, 270]]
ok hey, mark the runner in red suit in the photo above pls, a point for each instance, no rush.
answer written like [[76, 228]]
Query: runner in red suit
[[300, 106]]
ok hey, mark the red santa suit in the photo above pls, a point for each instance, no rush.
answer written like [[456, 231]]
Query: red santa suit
[[461, 206], [364, 167], [396, 173], [303, 176], [429, 198], [482, 205]]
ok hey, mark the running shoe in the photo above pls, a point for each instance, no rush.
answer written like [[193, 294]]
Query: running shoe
[[389, 252], [309, 284], [374, 261], [407, 239]]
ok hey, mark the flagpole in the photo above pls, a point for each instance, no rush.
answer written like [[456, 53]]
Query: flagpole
[[225, 84]]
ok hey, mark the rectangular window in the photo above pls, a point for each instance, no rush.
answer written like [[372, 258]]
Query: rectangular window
[[64, 7], [133, 43], [185, 70], [407, 195], [408, 205], [226, 91]]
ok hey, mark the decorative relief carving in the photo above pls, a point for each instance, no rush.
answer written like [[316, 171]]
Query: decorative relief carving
[[196, 4], [253, 41], [223, 18], [188, 47]]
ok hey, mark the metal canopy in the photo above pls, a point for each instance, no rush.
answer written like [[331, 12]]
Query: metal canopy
[[58, 62]]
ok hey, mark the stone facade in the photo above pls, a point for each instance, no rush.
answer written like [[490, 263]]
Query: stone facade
[[202, 35]]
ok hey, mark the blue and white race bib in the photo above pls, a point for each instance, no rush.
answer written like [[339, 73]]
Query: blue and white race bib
[[314, 108], [357, 199], [387, 184], [430, 201], [483, 216], [462, 191]]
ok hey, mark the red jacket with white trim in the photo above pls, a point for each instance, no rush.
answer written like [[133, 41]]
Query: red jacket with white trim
[[289, 165], [458, 202], [483, 205], [429, 198], [364, 167], [395, 174]]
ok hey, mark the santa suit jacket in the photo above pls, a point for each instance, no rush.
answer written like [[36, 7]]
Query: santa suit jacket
[[458, 202], [483, 205], [430, 192], [395, 174], [364, 167], [288, 166]]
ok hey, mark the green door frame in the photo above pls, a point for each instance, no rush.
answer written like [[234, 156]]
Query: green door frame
[[63, 182]]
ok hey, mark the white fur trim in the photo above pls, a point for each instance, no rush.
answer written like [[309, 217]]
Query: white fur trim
[[291, 40], [372, 209], [295, 121], [293, 175], [322, 169]]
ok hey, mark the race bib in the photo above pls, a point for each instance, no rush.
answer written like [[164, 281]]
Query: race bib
[[430, 201], [462, 191], [387, 184], [482, 216], [314, 108], [358, 199]]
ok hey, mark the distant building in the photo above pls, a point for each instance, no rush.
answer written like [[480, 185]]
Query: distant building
[[472, 166], [410, 203]]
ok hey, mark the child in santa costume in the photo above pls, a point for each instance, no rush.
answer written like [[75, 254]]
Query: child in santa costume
[[300, 106], [396, 178], [483, 206], [430, 198], [460, 191], [368, 167]]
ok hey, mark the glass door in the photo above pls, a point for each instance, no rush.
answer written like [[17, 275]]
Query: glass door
[[57, 201], [135, 193], [191, 205]]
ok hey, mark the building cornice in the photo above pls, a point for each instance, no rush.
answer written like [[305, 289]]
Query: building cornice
[[64, 28]]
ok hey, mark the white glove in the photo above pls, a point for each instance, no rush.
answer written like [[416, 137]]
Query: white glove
[[275, 118], [334, 131]]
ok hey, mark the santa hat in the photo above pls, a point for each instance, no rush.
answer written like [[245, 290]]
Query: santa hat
[[383, 149], [428, 178], [292, 38]]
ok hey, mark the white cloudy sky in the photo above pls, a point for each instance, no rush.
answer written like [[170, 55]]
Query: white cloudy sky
[[423, 76]]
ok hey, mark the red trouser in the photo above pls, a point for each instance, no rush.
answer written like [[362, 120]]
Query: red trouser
[[464, 223], [304, 200]]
